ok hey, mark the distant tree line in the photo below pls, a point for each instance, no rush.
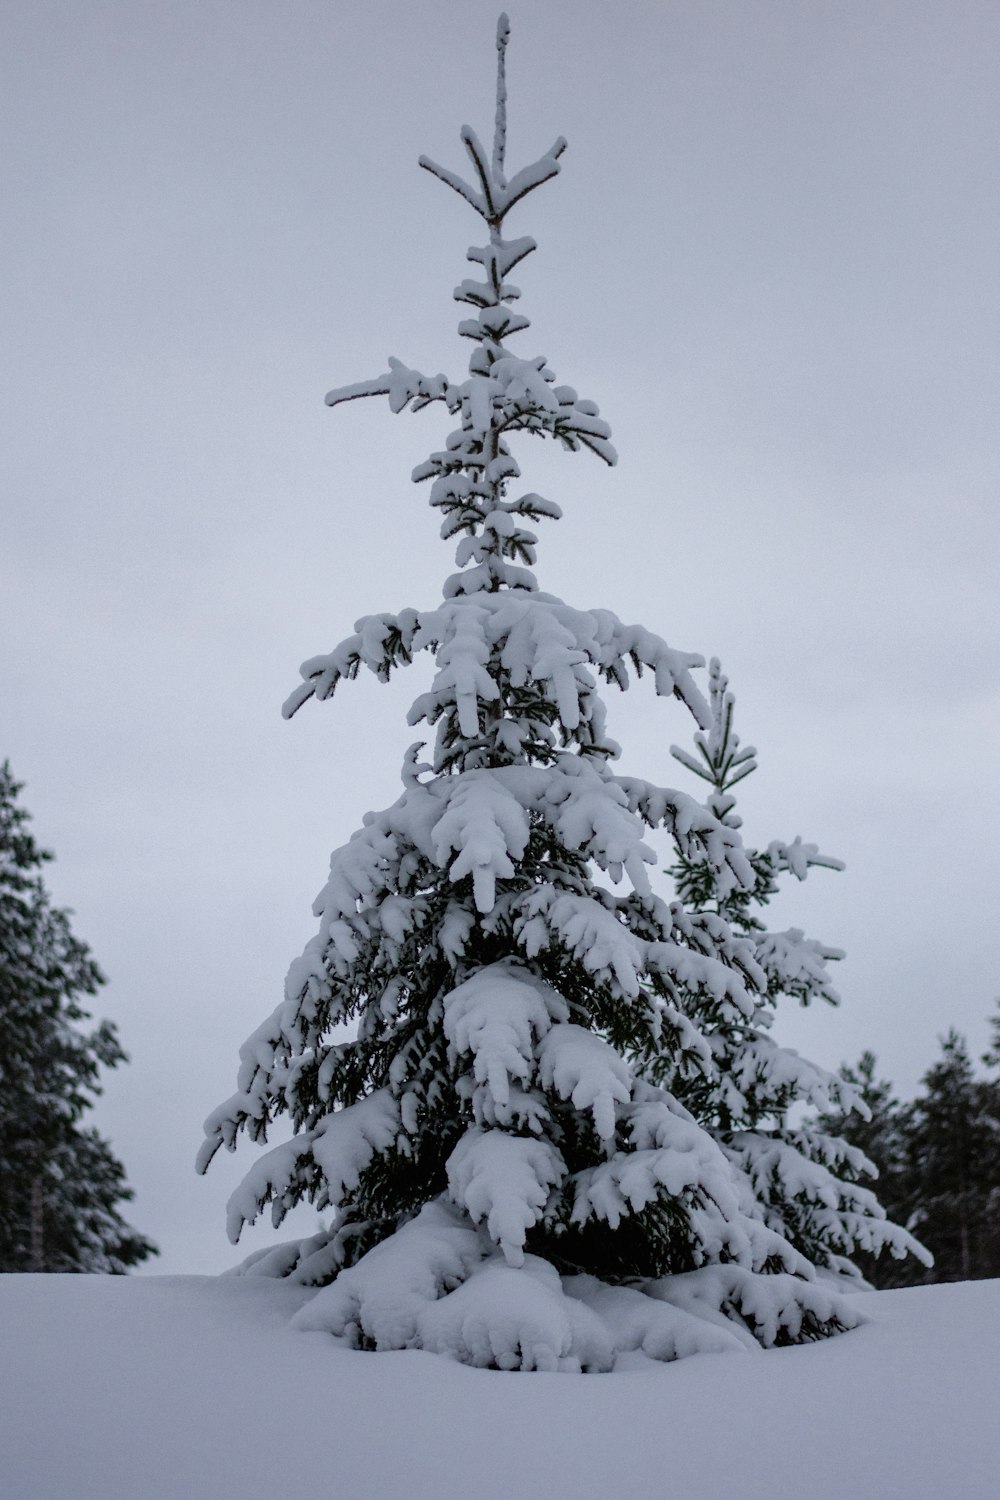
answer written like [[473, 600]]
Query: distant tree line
[[938, 1160]]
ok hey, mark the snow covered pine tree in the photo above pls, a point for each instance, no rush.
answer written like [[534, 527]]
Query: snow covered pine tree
[[511, 1189], [60, 1183], [805, 1179]]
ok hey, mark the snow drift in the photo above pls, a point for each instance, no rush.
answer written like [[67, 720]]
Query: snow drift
[[199, 1388]]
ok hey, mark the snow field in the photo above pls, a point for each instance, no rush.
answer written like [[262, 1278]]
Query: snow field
[[198, 1388]]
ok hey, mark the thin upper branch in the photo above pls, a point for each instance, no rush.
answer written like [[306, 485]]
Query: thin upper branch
[[500, 126]]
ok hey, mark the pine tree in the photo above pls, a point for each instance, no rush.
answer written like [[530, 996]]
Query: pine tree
[[991, 1057], [510, 1186], [954, 1143], [881, 1132], [60, 1183], [806, 1175]]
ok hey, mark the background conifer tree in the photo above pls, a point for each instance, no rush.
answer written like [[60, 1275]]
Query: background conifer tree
[[805, 1174], [511, 1186], [991, 1057], [954, 1149], [938, 1160], [881, 1132], [60, 1182]]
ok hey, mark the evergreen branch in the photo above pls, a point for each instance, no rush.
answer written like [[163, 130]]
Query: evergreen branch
[[534, 175], [500, 119], [401, 385], [378, 386], [597, 445], [690, 764], [474, 146], [458, 184], [734, 780]]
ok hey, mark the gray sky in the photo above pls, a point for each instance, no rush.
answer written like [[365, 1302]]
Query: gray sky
[[771, 257]]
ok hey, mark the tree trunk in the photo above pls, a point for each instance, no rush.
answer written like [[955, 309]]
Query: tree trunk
[[37, 1260], [966, 1248]]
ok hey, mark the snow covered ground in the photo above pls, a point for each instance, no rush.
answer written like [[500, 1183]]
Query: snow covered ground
[[195, 1388]]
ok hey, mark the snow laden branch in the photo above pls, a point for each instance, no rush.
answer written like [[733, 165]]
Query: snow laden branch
[[497, 649]]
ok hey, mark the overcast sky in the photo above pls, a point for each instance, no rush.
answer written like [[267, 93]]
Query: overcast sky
[[771, 257]]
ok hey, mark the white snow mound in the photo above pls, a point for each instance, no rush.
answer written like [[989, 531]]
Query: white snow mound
[[185, 1388]]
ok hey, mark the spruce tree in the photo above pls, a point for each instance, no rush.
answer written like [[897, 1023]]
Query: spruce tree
[[991, 1057], [881, 1132], [805, 1175], [510, 1185], [60, 1182], [954, 1146]]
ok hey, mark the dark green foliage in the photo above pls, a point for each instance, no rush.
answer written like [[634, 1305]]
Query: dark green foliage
[[991, 1057], [938, 1160], [59, 1181], [955, 1153]]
